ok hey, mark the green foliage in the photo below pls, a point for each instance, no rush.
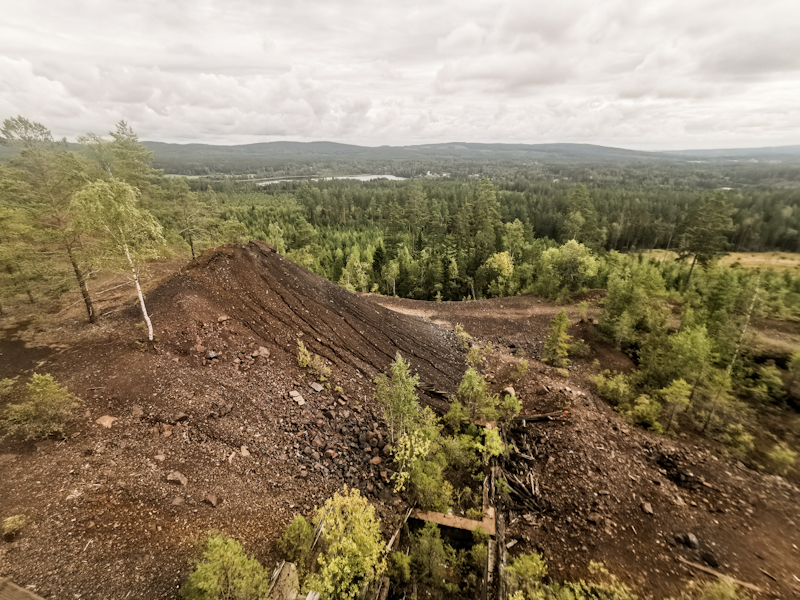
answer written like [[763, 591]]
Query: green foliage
[[398, 397], [565, 268], [510, 407], [723, 589], [794, 364], [675, 398], [399, 567], [645, 412], [614, 387], [13, 525], [303, 355], [296, 541], [226, 573], [526, 574], [432, 558], [5, 386], [583, 310], [782, 458], [473, 392], [352, 547], [737, 440], [522, 368], [456, 417], [313, 362], [45, 413], [556, 347], [492, 445]]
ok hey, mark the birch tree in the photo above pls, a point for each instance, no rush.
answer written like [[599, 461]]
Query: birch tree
[[131, 235]]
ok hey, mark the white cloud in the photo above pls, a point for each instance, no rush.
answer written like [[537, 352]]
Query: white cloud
[[661, 74]]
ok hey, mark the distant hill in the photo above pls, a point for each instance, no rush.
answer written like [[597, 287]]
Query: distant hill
[[167, 155], [780, 153]]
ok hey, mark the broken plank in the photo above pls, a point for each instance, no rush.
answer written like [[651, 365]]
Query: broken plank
[[487, 524]]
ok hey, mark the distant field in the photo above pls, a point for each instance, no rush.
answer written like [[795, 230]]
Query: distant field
[[748, 260]]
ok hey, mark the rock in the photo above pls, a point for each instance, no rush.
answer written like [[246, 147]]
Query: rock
[[300, 400], [691, 540], [178, 477], [315, 456], [181, 417], [245, 452], [261, 352], [137, 412], [342, 401], [294, 394], [106, 421], [318, 442], [178, 501], [308, 450], [317, 387], [647, 508], [509, 391], [166, 430], [345, 414], [211, 499], [595, 518], [376, 460], [710, 558], [223, 318], [211, 355], [331, 453], [160, 457]]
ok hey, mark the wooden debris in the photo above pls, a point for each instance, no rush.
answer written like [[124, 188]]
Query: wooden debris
[[487, 524], [744, 584]]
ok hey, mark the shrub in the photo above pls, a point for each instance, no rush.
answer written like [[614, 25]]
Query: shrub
[[463, 336], [724, 589], [456, 417], [556, 347], [510, 407], [303, 355], [46, 413], [737, 441], [296, 541], [614, 388], [522, 368], [645, 412], [5, 386], [526, 573], [583, 310], [313, 362], [352, 546], [579, 349], [474, 393], [431, 558], [13, 526], [782, 458], [226, 573], [398, 397], [399, 567]]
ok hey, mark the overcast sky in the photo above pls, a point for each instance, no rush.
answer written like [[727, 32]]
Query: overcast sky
[[645, 74]]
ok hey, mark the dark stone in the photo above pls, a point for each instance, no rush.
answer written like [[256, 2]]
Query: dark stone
[[709, 558]]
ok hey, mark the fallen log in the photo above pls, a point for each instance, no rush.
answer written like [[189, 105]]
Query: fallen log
[[744, 584]]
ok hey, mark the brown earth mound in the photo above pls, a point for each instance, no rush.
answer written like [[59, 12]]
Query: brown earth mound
[[279, 303]]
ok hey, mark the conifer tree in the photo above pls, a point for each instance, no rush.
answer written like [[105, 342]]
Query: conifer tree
[[556, 347]]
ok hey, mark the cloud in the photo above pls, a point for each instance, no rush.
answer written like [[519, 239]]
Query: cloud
[[661, 74]]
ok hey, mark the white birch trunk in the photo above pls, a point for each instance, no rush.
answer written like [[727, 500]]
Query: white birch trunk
[[141, 297]]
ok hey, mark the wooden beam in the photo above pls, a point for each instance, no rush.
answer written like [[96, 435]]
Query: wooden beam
[[487, 524]]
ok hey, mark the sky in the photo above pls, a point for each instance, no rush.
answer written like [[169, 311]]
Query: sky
[[640, 74]]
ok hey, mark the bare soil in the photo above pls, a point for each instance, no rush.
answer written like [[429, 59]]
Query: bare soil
[[106, 522]]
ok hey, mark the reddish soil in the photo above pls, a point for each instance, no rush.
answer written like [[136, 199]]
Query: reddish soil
[[103, 519]]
